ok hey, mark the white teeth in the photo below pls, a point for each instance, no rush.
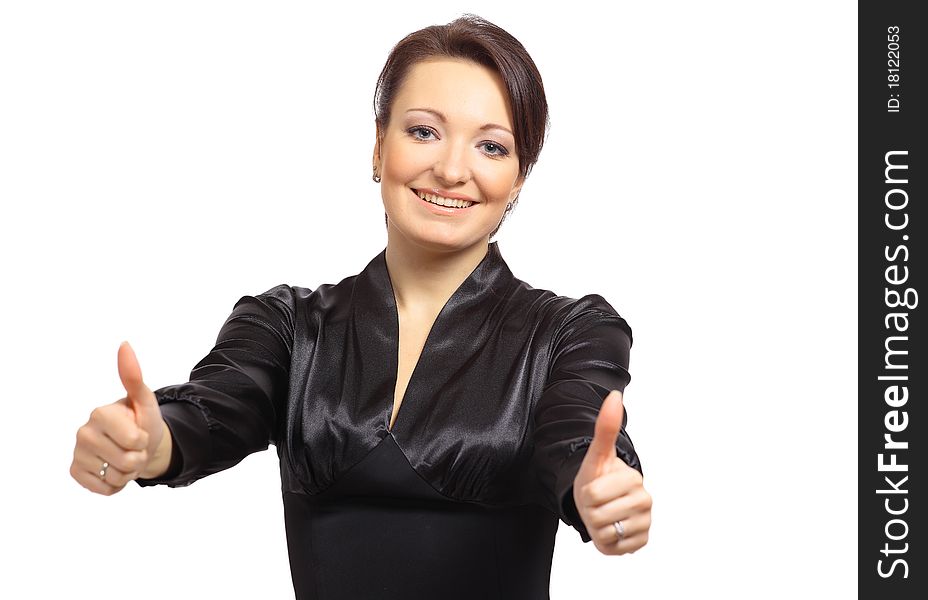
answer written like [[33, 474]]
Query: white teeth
[[444, 201]]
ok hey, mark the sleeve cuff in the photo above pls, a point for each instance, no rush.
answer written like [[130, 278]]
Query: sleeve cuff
[[190, 437], [565, 484], [565, 493]]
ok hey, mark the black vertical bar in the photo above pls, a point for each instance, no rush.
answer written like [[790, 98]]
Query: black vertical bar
[[892, 370]]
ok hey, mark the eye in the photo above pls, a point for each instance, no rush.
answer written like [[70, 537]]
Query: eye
[[421, 133], [499, 150], [413, 130]]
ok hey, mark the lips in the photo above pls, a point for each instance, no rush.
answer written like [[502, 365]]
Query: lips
[[438, 208], [445, 195]]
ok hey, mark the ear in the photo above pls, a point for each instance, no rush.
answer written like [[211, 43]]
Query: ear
[[517, 188], [376, 157]]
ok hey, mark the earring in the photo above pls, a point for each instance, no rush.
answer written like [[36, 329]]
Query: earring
[[508, 206], [376, 176]]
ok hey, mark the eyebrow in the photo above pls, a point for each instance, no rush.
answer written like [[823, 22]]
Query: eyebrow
[[441, 117]]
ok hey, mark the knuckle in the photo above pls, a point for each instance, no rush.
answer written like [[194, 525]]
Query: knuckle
[[138, 437], [132, 437], [143, 438], [580, 498], [97, 414], [593, 494], [84, 435], [582, 491], [132, 462], [632, 477]]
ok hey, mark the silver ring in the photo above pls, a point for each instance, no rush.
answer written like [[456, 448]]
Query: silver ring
[[620, 530], [103, 469]]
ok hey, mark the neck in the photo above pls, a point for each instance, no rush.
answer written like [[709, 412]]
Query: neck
[[423, 280]]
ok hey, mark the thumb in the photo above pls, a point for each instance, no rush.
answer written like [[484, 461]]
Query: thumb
[[140, 397], [602, 449]]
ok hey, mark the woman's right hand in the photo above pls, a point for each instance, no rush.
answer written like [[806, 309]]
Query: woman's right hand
[[125, 440]]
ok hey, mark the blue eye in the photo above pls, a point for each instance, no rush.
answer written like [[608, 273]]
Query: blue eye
[[413, 131], [495, 150], [502, 151]]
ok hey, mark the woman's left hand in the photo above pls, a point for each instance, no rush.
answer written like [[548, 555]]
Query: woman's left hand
[[607, 490]]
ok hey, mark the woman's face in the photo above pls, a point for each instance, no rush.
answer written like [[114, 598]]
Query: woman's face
[[450, 134]]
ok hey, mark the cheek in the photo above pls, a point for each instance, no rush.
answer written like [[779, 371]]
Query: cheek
[[499, 181], [405, 162]]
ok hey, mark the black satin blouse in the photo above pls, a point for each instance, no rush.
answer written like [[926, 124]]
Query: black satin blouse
[[461, 499]]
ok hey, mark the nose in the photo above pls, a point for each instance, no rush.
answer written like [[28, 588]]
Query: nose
[[451, 165]]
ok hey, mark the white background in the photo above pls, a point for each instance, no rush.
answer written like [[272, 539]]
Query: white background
[[160, 160]]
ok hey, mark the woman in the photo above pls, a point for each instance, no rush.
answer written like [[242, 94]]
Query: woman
[[434, 416]]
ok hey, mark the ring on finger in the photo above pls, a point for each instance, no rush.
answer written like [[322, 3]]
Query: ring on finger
[[619, 530], [103, 468]]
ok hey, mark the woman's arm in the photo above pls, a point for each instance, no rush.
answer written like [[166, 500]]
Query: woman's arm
[[590, 357], [234, 403]]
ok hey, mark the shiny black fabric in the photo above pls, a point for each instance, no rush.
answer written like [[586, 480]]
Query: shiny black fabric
[[462, 498]]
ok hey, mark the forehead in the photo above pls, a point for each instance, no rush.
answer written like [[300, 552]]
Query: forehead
[[461, 89]]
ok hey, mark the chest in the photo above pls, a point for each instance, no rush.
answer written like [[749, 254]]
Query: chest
[[454, 391], [413, 332]]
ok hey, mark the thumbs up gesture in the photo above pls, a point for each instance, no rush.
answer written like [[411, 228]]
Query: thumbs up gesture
[[609, 494], [124, 440]]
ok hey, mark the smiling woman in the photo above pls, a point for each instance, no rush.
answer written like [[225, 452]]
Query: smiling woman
[[441, 145], [434, 416], [509, 88]]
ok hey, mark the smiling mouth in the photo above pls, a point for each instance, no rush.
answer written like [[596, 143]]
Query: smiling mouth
[[444, 202]]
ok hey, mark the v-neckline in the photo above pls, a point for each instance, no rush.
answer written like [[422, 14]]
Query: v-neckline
[[412, 374], [377, 329], [425, 345]]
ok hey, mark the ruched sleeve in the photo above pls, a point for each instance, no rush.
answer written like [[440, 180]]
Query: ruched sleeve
[[235, 401], [590, 357]]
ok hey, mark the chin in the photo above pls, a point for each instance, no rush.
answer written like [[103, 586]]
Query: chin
[[432, 241]]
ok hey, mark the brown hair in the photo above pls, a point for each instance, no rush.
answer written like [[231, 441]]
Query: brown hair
[[472, 38]]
